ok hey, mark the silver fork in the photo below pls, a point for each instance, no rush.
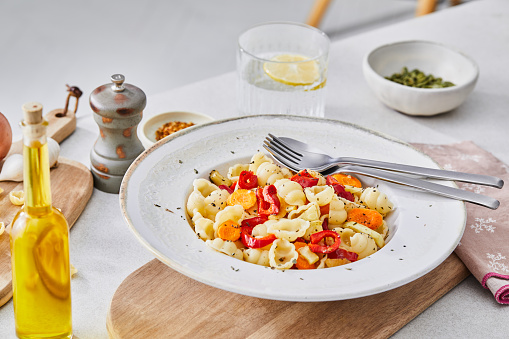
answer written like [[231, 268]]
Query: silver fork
[[304, 156], [283, 156]]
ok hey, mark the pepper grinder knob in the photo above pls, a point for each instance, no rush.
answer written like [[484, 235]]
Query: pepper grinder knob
[[118, 82]]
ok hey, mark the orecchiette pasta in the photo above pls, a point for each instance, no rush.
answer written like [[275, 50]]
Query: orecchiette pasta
[[215, 202], [258, 159], [260, 231], [322, 195], [195, 204], [289, 229], [282, 254], [201, 189], [226, 247], [307, 212], [337, 211], [234, 171], [268, 173], [203, 227], [257, 256], [374, 199], [297, 221], [204, 187], [359, 243], [290, 191]]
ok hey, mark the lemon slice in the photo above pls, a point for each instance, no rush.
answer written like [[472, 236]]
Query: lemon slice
[[292, 69], [49, 257]]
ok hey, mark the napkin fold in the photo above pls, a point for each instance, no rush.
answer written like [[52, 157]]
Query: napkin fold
[[484, 247]]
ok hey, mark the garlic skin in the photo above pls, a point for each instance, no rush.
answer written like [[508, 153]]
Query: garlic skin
[[12, 169]]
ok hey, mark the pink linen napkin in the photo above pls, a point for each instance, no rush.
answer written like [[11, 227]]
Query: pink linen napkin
[[484, 248]]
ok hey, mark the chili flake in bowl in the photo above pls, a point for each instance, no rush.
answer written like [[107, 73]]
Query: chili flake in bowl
[[161, 125], [171, 127]]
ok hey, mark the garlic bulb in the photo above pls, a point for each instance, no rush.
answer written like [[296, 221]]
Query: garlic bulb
[[12, 169], [53, 152]]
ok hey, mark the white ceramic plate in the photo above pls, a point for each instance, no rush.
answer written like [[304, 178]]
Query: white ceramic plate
[[424, 228]]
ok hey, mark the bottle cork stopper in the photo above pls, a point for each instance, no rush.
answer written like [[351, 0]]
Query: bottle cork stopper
[[32, 113]]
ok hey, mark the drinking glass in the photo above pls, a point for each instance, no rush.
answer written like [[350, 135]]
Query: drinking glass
[[282, 69]]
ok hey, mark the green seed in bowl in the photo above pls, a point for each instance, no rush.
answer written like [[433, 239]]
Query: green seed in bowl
[[418, 79]]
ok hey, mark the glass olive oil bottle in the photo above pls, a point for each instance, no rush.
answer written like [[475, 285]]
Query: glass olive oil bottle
[[41, 279]]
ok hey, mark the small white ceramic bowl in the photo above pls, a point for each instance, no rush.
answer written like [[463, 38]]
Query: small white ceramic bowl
[[148, 127], [430, 58]]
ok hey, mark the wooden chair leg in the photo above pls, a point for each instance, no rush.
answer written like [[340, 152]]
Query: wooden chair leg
[[425, 7], [317, 11]]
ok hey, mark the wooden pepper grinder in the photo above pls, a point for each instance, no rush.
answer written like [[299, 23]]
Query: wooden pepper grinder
[[118, 110]]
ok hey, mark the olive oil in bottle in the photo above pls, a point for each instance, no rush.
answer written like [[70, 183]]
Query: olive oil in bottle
[[41, 279]]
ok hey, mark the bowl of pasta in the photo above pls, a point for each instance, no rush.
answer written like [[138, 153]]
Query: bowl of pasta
[[241, 222]]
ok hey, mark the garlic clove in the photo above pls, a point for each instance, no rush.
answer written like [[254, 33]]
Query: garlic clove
[[12, 170], [53, 152]]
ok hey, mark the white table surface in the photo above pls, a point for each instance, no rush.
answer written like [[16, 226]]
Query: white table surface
[[105, 252]]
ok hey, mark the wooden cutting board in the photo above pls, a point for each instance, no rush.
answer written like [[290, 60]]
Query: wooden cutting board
[[71, 188], [158, 302]]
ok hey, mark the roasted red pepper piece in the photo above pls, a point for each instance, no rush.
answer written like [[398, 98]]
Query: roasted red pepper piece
[[339, 189], [316, 237], [325, 224], [268, 201], [330, 180], [226, 188], [341, 192], [252, 222], [247, 230], [247, 180], [305, 179], [232, 187], [343, 254]]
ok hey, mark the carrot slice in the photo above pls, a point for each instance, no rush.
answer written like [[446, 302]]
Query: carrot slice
[[345, 179], [302, 263], [366, 217], [229, 230], [243, 197]]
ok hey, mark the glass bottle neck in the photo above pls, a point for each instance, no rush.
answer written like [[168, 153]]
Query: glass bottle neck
[[36, 171]]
